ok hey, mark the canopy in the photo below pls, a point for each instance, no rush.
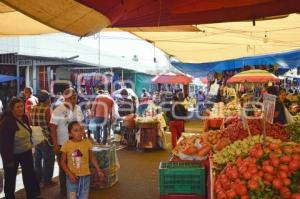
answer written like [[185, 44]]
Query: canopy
[[86, 17], [6, 78], [172, 78], [283, 60], [224, 41], [253, 76]]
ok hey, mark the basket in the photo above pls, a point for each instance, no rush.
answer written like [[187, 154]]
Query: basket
[[179, 178]]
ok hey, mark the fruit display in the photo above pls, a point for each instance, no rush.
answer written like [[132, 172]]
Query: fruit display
[[240, 148], [192, 148], [293, 131], [269, 171], [235, 130]]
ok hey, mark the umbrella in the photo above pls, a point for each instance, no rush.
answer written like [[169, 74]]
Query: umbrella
[[253, 76], [5, 78], [172, 78]]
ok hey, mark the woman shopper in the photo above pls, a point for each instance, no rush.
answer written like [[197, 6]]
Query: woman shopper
[[176, 123], [16, 148]]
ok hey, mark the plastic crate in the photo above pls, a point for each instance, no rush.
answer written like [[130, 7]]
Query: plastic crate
[[181, 197], [177, 178]]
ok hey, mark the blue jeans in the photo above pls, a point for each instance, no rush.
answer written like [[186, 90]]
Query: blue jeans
[[44, 159], [80, 189], [99, 127]]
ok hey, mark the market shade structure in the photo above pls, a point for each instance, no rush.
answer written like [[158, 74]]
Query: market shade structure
[[222, 41], [253, 76], [86, 17], [281, 60], [172, 78], [6, 78]]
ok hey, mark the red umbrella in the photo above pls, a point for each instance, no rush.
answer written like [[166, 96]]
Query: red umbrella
[[204, 80], [172, 78], [253, 76]]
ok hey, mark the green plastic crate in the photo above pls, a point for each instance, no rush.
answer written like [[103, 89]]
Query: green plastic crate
[[181, 178]]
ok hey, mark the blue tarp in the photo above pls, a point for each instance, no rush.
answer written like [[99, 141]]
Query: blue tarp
[[284, 61], [5, 78]]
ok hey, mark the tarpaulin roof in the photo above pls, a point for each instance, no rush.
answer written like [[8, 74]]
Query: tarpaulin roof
[[222, 41], [284, 60], [84, 17], [64, 15], [6, 78]]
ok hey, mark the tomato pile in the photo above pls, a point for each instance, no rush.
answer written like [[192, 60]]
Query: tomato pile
[[235, 130], [268, 172]]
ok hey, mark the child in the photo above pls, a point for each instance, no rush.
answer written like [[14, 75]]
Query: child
[[76, 155]]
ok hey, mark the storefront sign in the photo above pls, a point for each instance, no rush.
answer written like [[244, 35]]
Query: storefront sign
[[269, 107]]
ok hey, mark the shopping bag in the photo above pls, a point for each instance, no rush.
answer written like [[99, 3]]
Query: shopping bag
[[1, 180], [288, 116], [37, 135]]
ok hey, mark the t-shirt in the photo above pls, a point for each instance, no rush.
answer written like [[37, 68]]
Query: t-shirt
[[78, 156], [61, 117], [102, 106], [22, 140]]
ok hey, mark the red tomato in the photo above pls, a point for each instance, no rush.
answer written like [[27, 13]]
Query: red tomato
[[266, 182], [259, 153], [286, 181], [256, 177], [275, 162], [252, 169], [282, 174], [293, 166], [252, 184], [273, 146], [221, 195], [269, 169], [277, 183], [285, 159], [284, 168], [231, 194], [285, 193], [241, 189], [296, 196], [266, 163], [247, 175], [288, 149], [268, 177]]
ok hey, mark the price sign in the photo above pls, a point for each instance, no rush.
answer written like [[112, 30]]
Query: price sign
[[269, 107]]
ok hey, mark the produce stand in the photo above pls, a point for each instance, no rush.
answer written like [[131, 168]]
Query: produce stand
[[148, 133], [108, 161]]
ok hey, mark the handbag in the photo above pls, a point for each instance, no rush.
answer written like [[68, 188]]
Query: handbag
[[37, 135]]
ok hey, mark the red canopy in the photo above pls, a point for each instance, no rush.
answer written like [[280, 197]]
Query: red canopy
[[204, 80], [172, 78], [136, 13]]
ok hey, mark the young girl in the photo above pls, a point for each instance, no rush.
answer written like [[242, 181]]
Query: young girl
[[76, 155]]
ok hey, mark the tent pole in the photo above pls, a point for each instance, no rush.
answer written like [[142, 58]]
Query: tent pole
[[18, 77]]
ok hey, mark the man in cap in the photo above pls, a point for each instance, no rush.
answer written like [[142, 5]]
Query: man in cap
[[44, 157], [60, 118]]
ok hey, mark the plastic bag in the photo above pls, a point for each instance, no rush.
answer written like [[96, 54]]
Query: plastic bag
[[288, 116], [1, 180]]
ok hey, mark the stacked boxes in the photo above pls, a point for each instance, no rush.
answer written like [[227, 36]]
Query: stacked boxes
[[108, 162], [181, 180]]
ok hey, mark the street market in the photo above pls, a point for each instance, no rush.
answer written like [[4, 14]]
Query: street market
[[150, 99]]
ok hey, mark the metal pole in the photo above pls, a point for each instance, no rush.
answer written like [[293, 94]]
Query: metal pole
[[18, 77]]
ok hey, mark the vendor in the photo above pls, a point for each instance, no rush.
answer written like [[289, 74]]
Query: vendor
[[279, 115], [176, 123]]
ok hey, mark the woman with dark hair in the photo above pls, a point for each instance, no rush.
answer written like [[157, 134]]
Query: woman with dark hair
[[16, 148], [177, 115]]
